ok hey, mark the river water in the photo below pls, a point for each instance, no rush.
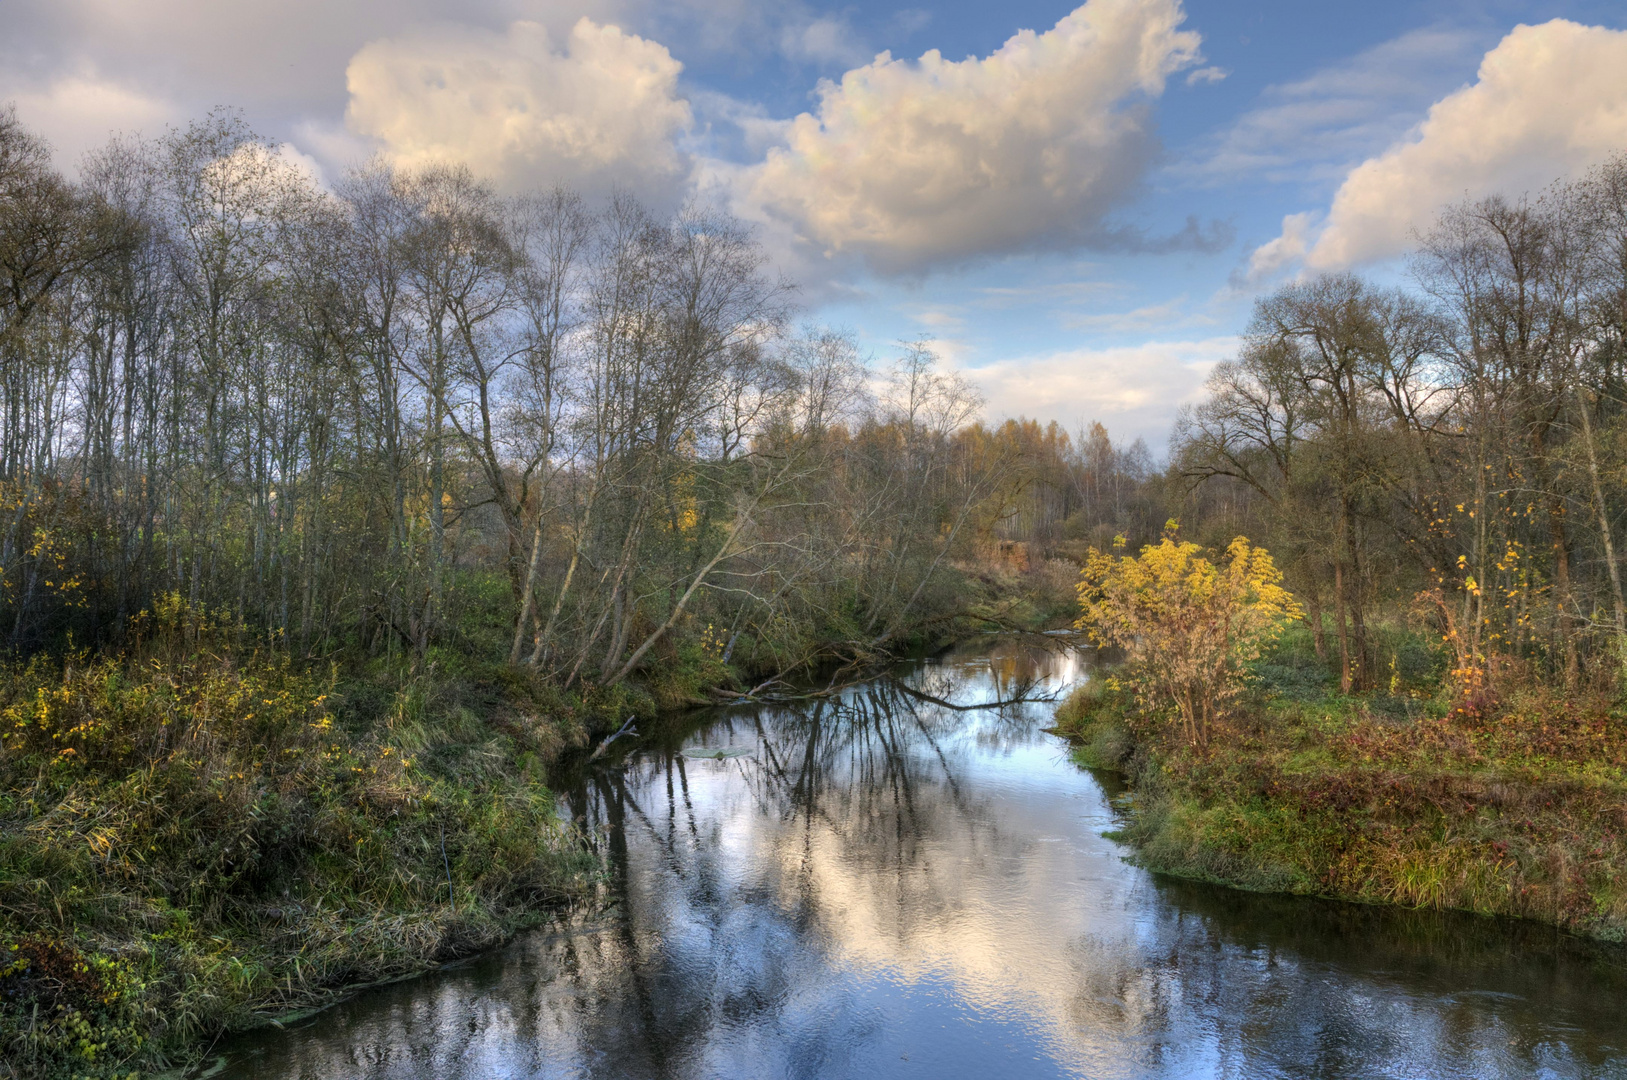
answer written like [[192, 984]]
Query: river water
[[879, 885]]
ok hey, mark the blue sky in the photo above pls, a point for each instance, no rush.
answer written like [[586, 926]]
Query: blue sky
[[1081, 216]]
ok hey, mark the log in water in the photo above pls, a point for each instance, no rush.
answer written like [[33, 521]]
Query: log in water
[[880, 886]]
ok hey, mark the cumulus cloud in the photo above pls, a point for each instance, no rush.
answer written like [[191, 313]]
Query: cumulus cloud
[[1134, 390], [599, 108], [1288, 248], [277, 60], [910, 163], [1548, 102]]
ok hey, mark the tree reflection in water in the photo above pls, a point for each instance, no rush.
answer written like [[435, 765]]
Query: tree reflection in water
[[890, 885]]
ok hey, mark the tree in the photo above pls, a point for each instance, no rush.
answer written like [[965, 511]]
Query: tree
[[1333, 392]]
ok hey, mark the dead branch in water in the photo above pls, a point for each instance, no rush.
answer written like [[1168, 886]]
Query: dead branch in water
[[1020, 699], [625, 729]]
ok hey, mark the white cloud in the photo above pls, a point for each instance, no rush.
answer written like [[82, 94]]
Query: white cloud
[[1134, 390], [303, 164], [1548, 102], [335, 147], [1207, 75], [78, 113], [1287, 249], [912, 163], [823, 40], [274, 59], [598, 109]]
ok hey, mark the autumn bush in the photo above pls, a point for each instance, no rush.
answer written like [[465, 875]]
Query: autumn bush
[[1188, 626], [1400, 796]]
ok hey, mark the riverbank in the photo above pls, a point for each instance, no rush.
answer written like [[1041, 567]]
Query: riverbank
[[194, 839], [872, 877], [1519, 809], [201, 835]]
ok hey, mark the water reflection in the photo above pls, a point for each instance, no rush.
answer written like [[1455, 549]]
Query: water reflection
[[884, 884]]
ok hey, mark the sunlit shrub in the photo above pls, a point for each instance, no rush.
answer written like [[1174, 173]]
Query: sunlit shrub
[[1188, 626]]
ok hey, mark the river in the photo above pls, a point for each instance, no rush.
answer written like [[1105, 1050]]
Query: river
[[878, 885]]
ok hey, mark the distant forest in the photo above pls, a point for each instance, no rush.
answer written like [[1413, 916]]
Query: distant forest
[[411, 413]]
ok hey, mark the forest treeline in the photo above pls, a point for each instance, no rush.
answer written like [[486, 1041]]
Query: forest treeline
[[408, 413], [1454, 448]]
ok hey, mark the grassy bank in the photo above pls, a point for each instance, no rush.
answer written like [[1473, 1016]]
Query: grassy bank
[[1515, 808], [194, 839]]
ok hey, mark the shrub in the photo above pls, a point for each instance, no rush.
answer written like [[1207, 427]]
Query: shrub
[[1187, 625]]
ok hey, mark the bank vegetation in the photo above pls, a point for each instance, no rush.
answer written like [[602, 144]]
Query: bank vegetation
[[1440, 474]]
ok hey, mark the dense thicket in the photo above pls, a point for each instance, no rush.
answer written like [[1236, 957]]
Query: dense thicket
[[409, 413]]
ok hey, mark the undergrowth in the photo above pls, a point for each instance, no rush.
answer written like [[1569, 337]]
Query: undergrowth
[[193, 841], [199, 834]]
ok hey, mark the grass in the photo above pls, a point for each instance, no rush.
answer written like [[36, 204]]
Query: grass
[[1518, 808], [194, 841]]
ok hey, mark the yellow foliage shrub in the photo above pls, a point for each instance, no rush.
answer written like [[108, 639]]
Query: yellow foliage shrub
[[1187, 625]]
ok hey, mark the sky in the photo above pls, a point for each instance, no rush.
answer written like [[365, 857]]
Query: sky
[[1078, 204]]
